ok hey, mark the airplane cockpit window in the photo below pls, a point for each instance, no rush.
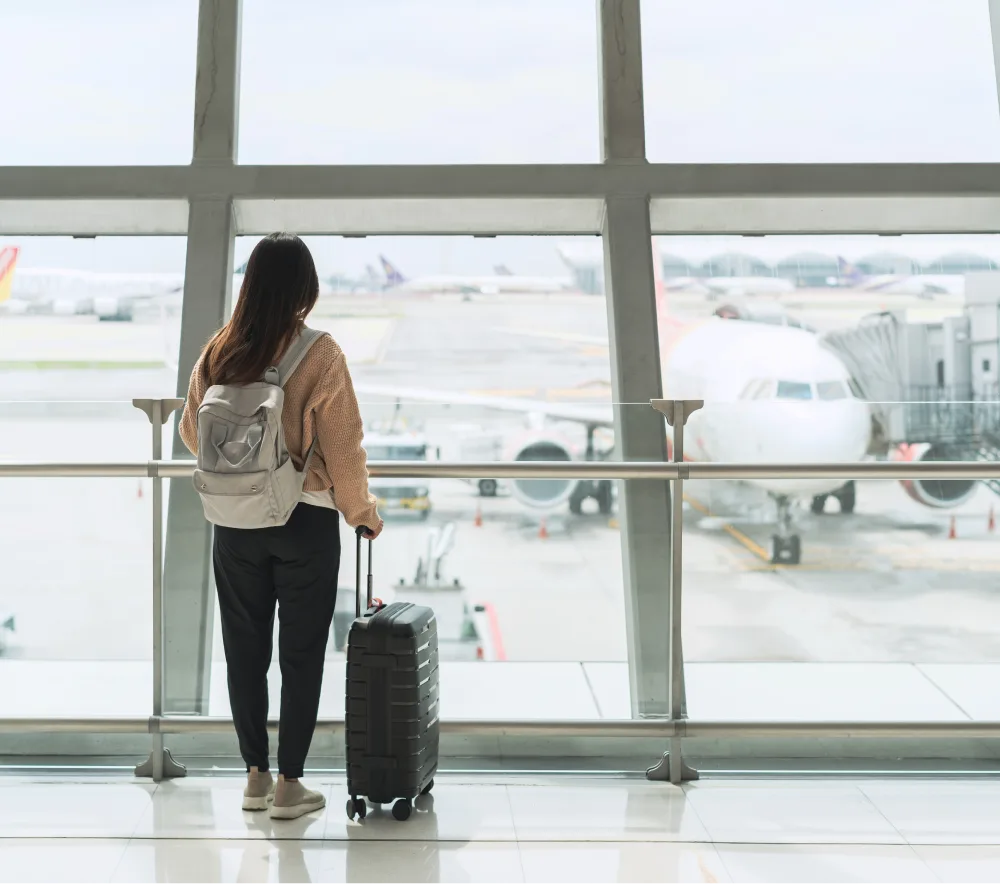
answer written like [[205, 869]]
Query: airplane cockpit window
[[794, 390], [830, 390], [758, 389]]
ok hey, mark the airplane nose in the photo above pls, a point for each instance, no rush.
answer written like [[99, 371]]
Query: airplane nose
[[800, 432]]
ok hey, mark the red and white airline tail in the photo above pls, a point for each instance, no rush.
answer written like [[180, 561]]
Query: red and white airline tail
[[8, 261]]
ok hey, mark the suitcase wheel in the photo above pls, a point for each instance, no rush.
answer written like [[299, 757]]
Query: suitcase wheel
[[401, 809], [356, 807], [426, 789]]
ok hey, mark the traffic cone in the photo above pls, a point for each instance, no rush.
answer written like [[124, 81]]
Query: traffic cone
[[478, 521], [543, 532], [952, 533], [991, 526]]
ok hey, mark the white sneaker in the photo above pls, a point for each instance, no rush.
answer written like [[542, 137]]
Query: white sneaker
[[292, 800], [259, 792]]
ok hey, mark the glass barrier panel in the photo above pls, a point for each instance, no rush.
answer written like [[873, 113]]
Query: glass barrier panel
[[98, 84], [825, 81], [75, 592], [837, 599], [406, 82]]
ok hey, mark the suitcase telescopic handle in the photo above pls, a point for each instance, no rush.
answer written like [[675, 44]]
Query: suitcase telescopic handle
[[360, 531]]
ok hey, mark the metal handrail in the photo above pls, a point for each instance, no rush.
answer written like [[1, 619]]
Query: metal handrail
[[184, 469], [676, 727]]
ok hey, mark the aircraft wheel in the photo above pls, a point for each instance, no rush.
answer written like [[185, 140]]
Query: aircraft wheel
[[818, 504], [848, 497], [786, 550], [487, 487], [604, 497]]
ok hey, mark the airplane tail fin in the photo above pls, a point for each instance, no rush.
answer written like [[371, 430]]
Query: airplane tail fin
[[502, 270], [8, 261], [848, 272], [392, 275]]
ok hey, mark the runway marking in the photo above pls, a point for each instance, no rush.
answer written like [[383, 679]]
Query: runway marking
[[734, 532]]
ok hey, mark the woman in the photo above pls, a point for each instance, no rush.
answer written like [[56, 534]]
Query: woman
[[294, 565]]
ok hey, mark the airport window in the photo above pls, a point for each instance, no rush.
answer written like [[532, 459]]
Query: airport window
[[393, 82], [755, 83], [98, 83], [85, 326], [471, 349]]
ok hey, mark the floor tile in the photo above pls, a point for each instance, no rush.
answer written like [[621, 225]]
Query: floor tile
[[611, 811], [450, 813], [620, 861], [64, 859], [72, 810], [823, 863], [291, 860], [940, 812], [415, 861], [966, 863], [790, 814], [207, 861], [211, 808]]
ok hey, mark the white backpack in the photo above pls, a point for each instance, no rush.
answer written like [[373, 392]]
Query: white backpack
[[245, 476]]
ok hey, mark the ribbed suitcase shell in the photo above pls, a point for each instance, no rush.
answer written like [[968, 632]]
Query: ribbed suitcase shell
[[392, 692]]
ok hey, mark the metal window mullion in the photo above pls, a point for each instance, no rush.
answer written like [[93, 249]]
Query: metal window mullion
[[644, 507], [189, 609]]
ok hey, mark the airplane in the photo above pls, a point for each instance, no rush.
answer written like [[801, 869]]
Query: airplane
[[502, 282], [773, 393], [110, 296], [923, 285], [730, 286]]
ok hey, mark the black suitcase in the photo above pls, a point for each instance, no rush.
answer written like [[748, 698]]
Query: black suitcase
[[391, 714]]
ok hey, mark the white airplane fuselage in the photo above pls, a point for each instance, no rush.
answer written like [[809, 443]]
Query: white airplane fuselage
[[772, 394]]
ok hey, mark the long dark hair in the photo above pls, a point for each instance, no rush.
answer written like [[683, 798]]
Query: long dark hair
[[279, 289]]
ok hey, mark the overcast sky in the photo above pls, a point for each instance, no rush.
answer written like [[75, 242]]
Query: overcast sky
[[332, 81]]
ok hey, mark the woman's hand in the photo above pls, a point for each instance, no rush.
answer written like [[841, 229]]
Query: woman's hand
[[372, 533]]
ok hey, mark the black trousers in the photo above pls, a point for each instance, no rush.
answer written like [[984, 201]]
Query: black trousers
[[294, 566]]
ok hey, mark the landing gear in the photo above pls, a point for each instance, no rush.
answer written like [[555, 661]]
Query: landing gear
[[845, 496], [786, 547], [487, 487], [599, 491]]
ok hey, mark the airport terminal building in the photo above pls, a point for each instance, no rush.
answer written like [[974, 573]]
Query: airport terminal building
[[676, 394]]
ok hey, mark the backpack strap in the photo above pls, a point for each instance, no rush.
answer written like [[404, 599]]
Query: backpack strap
[[295, 353]]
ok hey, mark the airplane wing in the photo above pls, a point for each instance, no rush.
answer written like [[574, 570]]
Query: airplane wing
[[567, 337], [589, 415]]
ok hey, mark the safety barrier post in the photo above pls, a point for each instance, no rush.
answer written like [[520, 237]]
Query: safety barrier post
[[672, 767], [160, 763]]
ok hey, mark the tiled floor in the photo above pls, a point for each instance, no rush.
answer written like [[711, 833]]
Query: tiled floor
[[510, 829]]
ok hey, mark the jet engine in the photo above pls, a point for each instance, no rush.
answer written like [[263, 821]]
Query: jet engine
[[542, 493], [936, 493]]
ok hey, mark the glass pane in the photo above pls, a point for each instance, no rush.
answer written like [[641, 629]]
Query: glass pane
[[823, 81], [98, 83], [89, 319], [434, 81], [459, 348], [85, 326], [837, 599]]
